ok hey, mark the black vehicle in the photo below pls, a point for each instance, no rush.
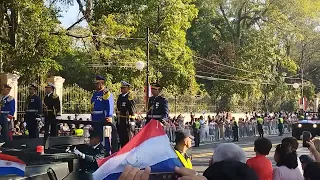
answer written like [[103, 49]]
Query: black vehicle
[[62, 165], [309, 122]]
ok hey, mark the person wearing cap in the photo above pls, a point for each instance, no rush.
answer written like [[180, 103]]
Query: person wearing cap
[[102, 103], [89, 154], [183, 143], [51, 111], [8, 109], [33, 112], [158, 108], [125, 112]]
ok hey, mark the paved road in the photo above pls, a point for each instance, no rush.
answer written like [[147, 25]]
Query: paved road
[[202, 154]]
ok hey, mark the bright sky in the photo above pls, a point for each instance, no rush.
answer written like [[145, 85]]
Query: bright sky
[[70, 15]]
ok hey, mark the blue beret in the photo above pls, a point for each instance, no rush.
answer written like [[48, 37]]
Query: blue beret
[[7, 86], [100, 78], [50, 85], [125, 84]]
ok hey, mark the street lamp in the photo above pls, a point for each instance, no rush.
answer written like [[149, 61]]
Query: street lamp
[[295, 85], [140, 65]]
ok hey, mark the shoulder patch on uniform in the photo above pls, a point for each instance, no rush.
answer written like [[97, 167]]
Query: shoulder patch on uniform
[[10, 98], [106, 95], [130, 97], [55, 96]]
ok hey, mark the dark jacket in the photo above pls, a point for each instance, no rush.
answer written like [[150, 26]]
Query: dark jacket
[[230, 170], [89, 164]]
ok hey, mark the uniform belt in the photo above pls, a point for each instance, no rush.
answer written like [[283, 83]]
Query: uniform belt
[[125, 116], [5, 112], [31, 110], [155, 116], [97, 112]]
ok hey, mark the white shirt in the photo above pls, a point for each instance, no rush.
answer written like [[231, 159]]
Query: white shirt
[[284, 173], [299, 166]]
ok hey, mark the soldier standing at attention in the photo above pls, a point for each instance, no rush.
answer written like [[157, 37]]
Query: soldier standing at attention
[[33, 112], [8, 108], [51, 111], [158, 108], [102, 111], [126, 110]]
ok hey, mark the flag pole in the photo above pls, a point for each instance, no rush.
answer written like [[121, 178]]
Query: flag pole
[[147, 69]]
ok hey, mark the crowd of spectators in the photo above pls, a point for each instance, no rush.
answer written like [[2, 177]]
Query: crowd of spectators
[[229, 162]]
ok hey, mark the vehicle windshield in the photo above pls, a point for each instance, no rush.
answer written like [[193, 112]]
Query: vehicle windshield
[[312, 116]]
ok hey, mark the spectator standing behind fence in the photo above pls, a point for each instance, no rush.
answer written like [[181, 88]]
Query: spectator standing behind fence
[[33, 112]]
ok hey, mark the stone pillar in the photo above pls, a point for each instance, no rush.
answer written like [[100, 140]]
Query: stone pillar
[[11, 80], [316, 102], [57, 81]]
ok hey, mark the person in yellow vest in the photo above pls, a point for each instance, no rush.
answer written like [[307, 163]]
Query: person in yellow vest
[[78, 131], [183, 143], [260, 126], [280, 125], [196, 132]]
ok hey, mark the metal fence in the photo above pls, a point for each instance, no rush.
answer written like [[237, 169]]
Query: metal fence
[[215, 132], [23, 93], [76, 100]]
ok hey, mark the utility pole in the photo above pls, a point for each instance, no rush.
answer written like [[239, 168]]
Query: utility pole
[[1, 62], [147, 68], [158, 22], [302, 58]]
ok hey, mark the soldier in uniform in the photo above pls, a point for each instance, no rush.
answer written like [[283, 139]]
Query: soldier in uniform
[[89, 155], [33, 112], [158, 108], [126, 109], [102, 111], [8, 109], [51, 111]]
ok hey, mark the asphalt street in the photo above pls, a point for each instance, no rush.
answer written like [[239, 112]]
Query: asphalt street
[[201, 155]]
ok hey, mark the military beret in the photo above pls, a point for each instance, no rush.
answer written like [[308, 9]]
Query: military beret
[[125, 84]]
